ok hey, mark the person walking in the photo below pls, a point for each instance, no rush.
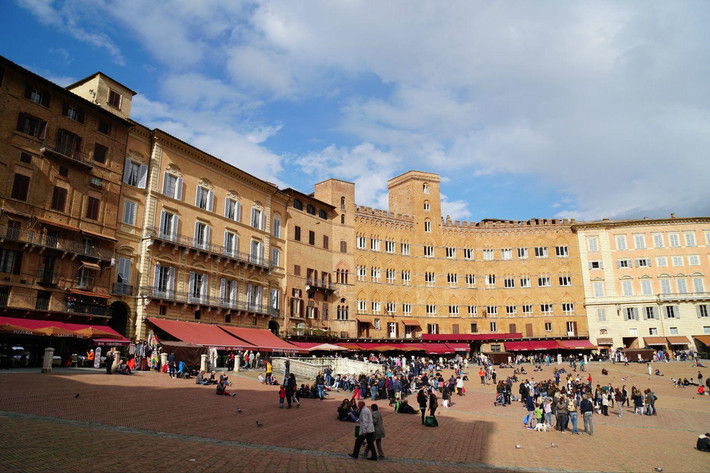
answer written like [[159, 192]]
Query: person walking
[[367, 433], [619, 401], [109, 361], [171, 365], [433, 403], [561, 413], [320, 384], [379, 430], [587, 409], [290, 387], [572, 410]]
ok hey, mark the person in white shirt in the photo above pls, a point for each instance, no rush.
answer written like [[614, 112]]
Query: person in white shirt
[[367, 432]]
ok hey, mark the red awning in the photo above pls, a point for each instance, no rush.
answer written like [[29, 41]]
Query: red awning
[[306, 345], [470, 337], [100, 295], [411, 323], [99, 235], [350, 346], [577, 344], [459, 346], [541, 345], [263, 339], [677, 340], [201, 334], [65, 226], [517, 346], [35, 324], [437, 348]]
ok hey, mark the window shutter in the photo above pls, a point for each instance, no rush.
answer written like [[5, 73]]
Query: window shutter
[[65, 109], [28, 91], [142, 176], [233, 292], [263, 221], [171, 282], [178, 189], [126, 167], [253, 217], [80, 116], [207, 237], [162, 222], [197, 196], [261, 250], [249, 300], [697, 311], [222, 290], [194, 238], [239, 211], [42, 130], [205, 288], [176, 219], [156, 277], [45, 98], [165, 183], [226, 207], [676, 311], [191, 284], [210, 201]]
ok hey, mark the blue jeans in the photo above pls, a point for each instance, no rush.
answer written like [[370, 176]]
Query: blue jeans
[[573, 418], [320, 391]]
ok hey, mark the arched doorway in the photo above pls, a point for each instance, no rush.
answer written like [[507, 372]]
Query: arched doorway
[[274, 327], [119, 317]]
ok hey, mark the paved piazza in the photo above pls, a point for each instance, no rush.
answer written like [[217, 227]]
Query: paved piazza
[[149, 422]]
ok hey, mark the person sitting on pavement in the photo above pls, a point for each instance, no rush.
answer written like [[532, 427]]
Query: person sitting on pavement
[[222, 386], [345, 412], [123, 368], [200, 379], [405, 408]]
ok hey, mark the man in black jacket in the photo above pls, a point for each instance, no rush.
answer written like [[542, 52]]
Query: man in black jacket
[[587, 409]]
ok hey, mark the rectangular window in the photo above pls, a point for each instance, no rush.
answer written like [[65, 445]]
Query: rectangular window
[[311, 237], [698, 284], [406, 278], [693, 260], [689, 238], [429, 251], [650, 313], [405, 248], [431, 309], [543, 281], [453, 310], [100, 153], [646, 287], [432, 329], [450, 253], [620, 242], [104, 127], [343, 246], [524, 281], [671, 311], [231, 243], [472, 310], [598, 289], [677, 260], [375, 244], [703, 311], [643, 263], [673, 240], [452, 279], [427, 226], [202, 235], [172, 186], [168, 225], [601, 315], [389, 246], [277, 228], [623, 263], [540, 252], [376, 307], [506, 253], [665, 286], [297, 233], [490, 280], [527, 309], [114, 99], [430, 279], [682, 284], [297, 270], [361, 273], [595, 265], [468, 254], [361, 245], [562, 251], [488, 255], [325, 242], [511, 310], [32, 126], [652, 331], [407, 309], [568, 308], [548, 326], [361, 306], [674, 330], [59, 199], [92, 208], [257, 217], [661, 261], [231, 211], [492, 310], [129, 212], [509, 282], [202, 198], [522, 253], [474, 328], [565, 280], [627, 288], [640, 241], [658, 240], [275, 257], [135, 174], [375, 273], [546, 308], [470, 280], [592, 244], [494, 326], [10, 261], [20, 187]]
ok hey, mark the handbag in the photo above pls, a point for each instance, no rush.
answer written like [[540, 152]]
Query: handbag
[[357, 431]]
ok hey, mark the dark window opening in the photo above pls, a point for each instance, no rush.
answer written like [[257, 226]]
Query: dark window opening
[[323, 214], [92, 208], [59, 198], [100, 153], [310, 209], [297, 204], [25, 158], [20, 187]]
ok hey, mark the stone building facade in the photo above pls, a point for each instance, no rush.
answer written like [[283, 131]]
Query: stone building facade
[[646, 282], [62, 156]]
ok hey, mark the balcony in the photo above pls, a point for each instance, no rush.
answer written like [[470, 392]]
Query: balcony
[[38, 239], [320, 284], [684, 297], [121, 289], [311, 332], [66, 153], [216, 251], [43, 303], [46, 277], [212, 302], [88, 309]]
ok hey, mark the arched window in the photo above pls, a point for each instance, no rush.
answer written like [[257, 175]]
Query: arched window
[[310, 209], [323, 214], [342, 203], [342, 219], [297, 204]]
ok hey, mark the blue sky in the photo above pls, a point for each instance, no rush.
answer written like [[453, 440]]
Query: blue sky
[[525, 109]]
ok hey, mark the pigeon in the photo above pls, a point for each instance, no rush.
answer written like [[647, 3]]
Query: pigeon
[[624, 378], [77, 395], [239, 410], [553, 445], [192, 459], [259, 424], [517, 446], [658, 468]]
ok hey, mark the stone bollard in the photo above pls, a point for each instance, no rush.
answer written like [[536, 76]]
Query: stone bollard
[[47, 360], [203, 363], [559, 359], [163, 361], [237, 361]]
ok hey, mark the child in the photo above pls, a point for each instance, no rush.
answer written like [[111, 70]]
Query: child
[[282, 396], [548, 411], [538, 414]]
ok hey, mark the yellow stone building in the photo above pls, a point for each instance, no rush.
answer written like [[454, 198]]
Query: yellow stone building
[[646, 282]]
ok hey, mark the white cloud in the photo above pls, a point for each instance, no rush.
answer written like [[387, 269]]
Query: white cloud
[[456, 209]]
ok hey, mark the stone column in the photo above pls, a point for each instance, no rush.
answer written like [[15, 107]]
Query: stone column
[[559, 359], [237, 361], [163, 361], [203, 362], [47, 360]]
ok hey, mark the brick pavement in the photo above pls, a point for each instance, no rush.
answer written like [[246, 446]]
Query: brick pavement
[[167, 422]]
